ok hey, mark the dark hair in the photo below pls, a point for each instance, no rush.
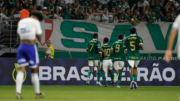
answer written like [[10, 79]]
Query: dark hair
[[120, 36], [95, 35], [106, 40], [39, 8], [133, 30], [38, 14], [126, 9], [105, 7]]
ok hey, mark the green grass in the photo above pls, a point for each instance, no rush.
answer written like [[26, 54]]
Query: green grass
[[93, 93]]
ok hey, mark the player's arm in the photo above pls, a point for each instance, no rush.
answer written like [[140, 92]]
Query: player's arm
[[38, 31], [112, 47], [124, 44], [87, 47], [140, 43], [111, 52], [100, 53], [103, 51], [172, 36]]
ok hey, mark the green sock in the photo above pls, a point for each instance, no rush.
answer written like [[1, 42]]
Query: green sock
[[135, 78], [98, 75], [131, 78], [104, 78], [89, 74], [112, 77], [119, 79]]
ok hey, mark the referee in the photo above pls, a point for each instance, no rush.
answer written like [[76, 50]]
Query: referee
[[49, 54]]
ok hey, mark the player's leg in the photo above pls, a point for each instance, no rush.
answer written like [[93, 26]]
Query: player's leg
[[33, 58], [121, 65], [109, 65], [90, 62], [22, 63], [19, 81], [97, 64], [135, 74], [115, 71], [131, 69], [103, 70]]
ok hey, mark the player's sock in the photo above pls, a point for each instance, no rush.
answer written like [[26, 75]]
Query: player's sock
[[98, 75], [135, 78], [89, 74], [35, 82], [112, 77], [119, 79], [115, 74], [104, 78], [19, 81], [131, 78]]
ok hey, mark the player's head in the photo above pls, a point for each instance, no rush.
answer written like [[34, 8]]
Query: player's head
[[37, 15], [133, 30], [48, 43], [106, 40], [95, 36], [120, 37]]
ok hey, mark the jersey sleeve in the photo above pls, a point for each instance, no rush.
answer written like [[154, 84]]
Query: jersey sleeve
[[175, 24], [140, 41], [38, 29], [98, 44], [112, 47], [125, 43]]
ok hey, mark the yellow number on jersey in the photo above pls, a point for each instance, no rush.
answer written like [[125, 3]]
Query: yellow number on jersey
[[118, 48], [132, 45], [92, 45], [107, 51]]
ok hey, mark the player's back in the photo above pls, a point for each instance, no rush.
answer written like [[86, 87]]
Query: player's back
[[118, 51], [93, 51], [132, 44], [28, 28], [107, 49]]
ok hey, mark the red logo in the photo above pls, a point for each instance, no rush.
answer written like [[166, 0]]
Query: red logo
[[47, 31]]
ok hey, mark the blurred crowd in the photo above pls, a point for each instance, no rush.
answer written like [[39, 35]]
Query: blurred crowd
[[109, 11]]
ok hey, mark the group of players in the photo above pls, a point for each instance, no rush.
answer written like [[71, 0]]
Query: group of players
[[106, 57]]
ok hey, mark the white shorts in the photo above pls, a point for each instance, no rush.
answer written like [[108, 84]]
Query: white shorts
[[118, 65], [133, 63], [107, 64], [94, 62]]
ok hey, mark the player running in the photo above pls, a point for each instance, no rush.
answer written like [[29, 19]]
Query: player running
[[28, 29], [93, 48], [118, 57], [174, 31], [107, 62], [133, 43]]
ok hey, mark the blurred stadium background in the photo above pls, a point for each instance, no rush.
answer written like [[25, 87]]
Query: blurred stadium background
[[69, 32]]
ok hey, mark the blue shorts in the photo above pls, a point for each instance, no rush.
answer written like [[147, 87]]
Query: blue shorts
[[27, 55]]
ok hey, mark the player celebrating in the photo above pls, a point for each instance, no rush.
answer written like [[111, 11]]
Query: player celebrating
[[93, 48], [118, 58], [133, 43], [28, 29], [107, 62], [175, 29]]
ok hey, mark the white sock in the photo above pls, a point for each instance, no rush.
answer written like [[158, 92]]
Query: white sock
[[35, 82], [19, 81]]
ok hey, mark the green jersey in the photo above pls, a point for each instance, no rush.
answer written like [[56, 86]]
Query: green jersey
[[93, 49], [106, 48], [132, 44], [127, 17], [157, 10], [118, 51], [125, 6], [67, 16], [112, 4], [168, 19], [119, 16]]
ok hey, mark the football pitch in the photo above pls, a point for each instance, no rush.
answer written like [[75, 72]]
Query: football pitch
[[93, 93]]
